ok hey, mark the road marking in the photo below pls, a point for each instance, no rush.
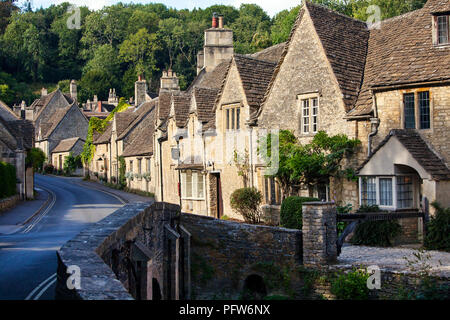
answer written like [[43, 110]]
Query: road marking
[[40, 285], [45, 289], [39, 217]]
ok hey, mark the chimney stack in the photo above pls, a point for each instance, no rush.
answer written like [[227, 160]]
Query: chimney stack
[[73, 90], [214, 20], [140, 91], [218, 45], [169, 81], [44, 92]]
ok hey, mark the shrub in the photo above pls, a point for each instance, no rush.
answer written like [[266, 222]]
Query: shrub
[[291, 211], [376, 233], [246, 202], [8, 180], [49, 168], [35, 159], [351, 285], [438, 230]]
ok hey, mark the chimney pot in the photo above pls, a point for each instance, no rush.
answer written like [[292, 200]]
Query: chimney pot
[[214, 20], [220, 22], [44, 92]]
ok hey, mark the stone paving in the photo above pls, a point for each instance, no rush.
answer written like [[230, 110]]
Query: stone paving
[[393, 258]]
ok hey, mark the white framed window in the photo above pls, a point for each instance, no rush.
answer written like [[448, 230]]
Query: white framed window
[[310, 115], [443, 29], [395, 192], [192, 185]]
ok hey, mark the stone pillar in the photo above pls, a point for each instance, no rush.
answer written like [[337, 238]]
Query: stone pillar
[[319, 233]]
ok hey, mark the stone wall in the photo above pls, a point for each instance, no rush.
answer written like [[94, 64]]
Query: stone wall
[[225, 254], [9, 203]]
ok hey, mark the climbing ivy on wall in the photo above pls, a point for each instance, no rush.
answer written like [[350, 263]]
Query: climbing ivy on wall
[[99, 125]]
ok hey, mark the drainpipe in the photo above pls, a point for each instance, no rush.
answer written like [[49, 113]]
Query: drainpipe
[[160, 169], [251, 156], [374, 123]]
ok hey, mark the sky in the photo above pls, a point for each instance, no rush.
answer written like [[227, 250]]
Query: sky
[[272, 7]]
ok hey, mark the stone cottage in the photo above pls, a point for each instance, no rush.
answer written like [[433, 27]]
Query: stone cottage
[[338, 75], [64, 148], [16, 139]]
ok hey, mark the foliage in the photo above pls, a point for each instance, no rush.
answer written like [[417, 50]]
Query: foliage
[[242, 164], [351, 285], [246, 202], [376, 233], [8, 179], [122, 168], [310, 164], [49, 169], [438, 230], [123, 40], [291, 211], [71, 163], [341, 225], [35, 159]]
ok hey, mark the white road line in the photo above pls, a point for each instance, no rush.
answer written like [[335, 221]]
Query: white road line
[[39, 218], [43, 290], [40, 285]]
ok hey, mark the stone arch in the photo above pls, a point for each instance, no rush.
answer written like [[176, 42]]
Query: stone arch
[[254, 288]]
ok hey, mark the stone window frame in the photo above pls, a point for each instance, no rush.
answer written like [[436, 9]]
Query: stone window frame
[[234, 118], [435, 29], [394, 178], [139, 167], [310, 96], [416, 93]]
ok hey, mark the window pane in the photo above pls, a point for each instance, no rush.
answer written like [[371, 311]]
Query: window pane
[[443, 29], [266, 190], [410, 119], [232, 118], [315, 112], [200, 186], [140, 166], [368, 191], [305, 115], [228, 118], [188, 187], [148, 165], [238, 116], [424, 107], [404, 192], [386, 191]]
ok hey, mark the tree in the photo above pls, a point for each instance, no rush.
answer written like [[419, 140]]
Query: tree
[[282, 25], [310, 164], [7, 7], [139, 50], [35, 159], [96, 82]]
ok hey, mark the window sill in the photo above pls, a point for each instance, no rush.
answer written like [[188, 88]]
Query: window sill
[[193, 199]]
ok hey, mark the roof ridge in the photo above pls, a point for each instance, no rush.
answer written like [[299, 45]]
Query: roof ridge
[[237, 55], [333, 11]]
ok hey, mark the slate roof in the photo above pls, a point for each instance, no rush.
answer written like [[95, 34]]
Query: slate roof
[[419, 150], [212, 79], [205, 98], [255, 76], [142, 144], [47, 128], [271, 54], [401, 52], [66, 145], [164, 102], [22, 131], [105, 137], [123, 120], [140, 114], [344, 40], [181, 103]]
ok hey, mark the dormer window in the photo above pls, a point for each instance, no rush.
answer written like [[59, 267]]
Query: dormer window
[[442, 29]]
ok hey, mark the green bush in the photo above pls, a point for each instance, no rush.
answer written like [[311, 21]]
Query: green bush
[[376, 233], [8, 180], [291, 211], [351, 285], [438, 230], [49, 169], [246, 202]]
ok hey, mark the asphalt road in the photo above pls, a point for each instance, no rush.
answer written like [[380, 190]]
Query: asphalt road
[[28, 257]]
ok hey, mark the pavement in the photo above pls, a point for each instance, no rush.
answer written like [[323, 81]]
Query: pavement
[[396, 259], [28, 259], [15, 219]]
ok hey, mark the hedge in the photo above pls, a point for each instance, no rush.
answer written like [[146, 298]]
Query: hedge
[[291, 211], [438, 230], [8, 180]]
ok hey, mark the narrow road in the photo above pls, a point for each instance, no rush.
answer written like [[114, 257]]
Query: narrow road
[[28, 257]]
